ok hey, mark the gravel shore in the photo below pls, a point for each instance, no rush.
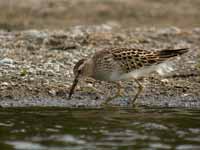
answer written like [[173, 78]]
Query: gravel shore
[[36, 66]]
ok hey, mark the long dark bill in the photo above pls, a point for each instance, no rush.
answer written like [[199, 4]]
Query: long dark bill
[[73, 86]]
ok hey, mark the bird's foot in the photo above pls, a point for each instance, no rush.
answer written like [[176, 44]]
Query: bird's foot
[[120, 93]]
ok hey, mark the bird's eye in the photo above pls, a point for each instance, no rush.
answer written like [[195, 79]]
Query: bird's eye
[[79, 71]]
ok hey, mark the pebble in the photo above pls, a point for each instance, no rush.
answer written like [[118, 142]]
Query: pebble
[[6, 61], [34, 34], [165, 80], [52, 92], [4, 84]]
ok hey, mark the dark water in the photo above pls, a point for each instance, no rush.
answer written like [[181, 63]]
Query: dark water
[[101, 129]]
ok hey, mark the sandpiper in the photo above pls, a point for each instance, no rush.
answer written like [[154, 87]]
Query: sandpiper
[[117, 64]]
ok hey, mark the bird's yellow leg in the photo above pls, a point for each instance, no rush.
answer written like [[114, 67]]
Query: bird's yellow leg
[[119, 92], [140, 89]]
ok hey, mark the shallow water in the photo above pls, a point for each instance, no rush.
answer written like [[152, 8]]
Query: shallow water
[[102, 129]]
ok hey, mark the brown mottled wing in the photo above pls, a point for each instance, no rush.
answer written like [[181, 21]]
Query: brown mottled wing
[[103, 60], [130, 59]]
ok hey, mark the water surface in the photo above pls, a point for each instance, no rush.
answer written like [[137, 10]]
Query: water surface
[[101, 129]]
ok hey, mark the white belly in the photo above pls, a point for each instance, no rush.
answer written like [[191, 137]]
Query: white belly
[[161, 69]]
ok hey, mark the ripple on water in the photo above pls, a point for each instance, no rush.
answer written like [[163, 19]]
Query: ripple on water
[[81, 129]]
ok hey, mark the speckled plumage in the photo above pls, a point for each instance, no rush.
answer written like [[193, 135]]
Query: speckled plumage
[[124, 63], [110, 64]]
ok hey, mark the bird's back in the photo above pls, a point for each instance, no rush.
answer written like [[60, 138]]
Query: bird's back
[[112, 64], [131, 59]]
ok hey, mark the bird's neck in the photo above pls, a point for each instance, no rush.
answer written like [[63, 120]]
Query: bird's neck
[[89, 69]]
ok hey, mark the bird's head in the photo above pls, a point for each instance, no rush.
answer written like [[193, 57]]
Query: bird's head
[[83, 68]]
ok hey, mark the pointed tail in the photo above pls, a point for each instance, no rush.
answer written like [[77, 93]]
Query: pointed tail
[[171, 53]]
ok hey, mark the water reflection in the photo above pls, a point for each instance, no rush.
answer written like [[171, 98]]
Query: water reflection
[[56, 128]]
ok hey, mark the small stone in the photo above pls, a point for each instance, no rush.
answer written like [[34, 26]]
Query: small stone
[[185, 95], [165, 80], [6, 61], [50, 72], [34, 34], [52, 92], [32, 71], [4, 84], [31, 79], [56, 67]]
